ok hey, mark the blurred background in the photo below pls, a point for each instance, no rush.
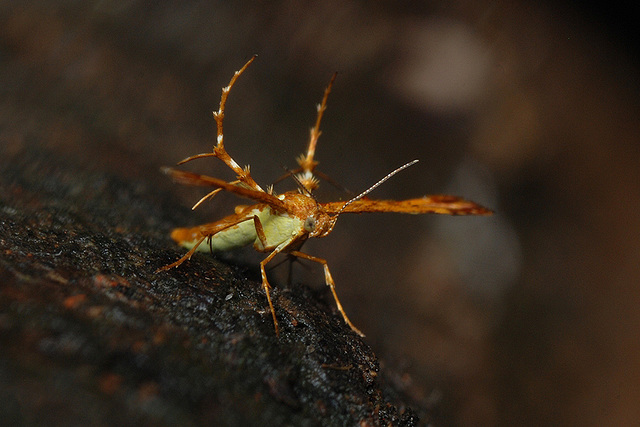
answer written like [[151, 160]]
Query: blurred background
[[532, 109]]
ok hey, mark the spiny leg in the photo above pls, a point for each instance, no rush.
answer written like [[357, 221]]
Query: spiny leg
[[306, 163], [219, 151], [329, 281]]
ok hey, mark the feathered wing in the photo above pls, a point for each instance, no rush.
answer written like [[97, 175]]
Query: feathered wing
[[438, 204], [190, 178]]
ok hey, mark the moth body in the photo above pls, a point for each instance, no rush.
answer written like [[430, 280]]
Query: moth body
[[282, 223], [278, 228], [299, 221]]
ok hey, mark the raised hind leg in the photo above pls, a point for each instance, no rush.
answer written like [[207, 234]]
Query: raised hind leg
[[219, 151]]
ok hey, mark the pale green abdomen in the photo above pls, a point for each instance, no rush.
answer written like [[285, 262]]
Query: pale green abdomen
[[278, 228]]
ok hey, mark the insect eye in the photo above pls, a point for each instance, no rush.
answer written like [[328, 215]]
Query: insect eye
[[310, 223]]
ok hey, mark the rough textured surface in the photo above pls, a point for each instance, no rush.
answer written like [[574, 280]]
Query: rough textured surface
[[90, 334], [526, 318]]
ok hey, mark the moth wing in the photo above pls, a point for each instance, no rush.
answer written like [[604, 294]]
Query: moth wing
[[190, 178], [438, 204]]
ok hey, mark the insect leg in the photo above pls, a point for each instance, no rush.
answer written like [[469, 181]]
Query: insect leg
[[267, 286], [184, 258], [219, 151], [307, 163], [263, 239], [260, 231], [265, 283], [205, 232], [331, 284], [208, 196]]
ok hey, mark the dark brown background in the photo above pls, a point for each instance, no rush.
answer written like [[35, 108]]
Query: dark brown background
[[528, 317]]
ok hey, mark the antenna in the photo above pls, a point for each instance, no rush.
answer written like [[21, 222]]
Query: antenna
[[376, 185]]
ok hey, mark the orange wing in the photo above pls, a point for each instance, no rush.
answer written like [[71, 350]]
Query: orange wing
[[191, 178], [439, 204]]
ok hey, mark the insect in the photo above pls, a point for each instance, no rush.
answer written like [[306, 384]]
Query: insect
[[281, 223]]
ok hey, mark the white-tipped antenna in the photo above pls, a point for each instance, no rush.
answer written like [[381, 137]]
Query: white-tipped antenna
[[376, 185]]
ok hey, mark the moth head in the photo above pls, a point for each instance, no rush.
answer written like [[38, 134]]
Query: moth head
[[319, 224], [310, 224]]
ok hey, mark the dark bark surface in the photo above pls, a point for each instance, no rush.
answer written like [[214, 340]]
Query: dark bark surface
[[525, 318], [90, 334]]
